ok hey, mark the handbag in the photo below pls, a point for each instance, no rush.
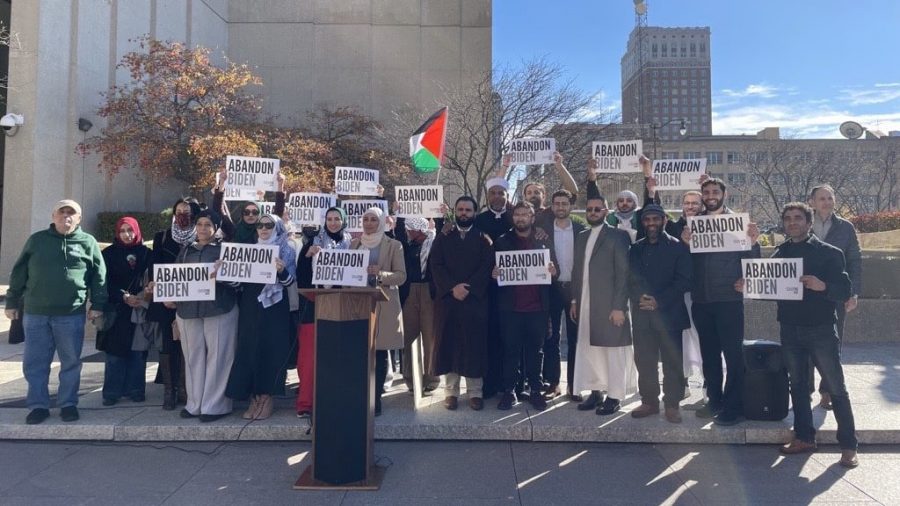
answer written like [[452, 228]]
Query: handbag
[[16, 331]]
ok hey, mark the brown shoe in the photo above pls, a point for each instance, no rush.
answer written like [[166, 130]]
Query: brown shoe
[[252, 410], [645, 410], [797, 446], [266, 406], [673, 415], [552, 391], [849, 459], [451, 403], [476, 403]]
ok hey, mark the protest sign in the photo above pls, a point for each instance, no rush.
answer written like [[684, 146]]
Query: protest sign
[[183, 282], [340, 267], [618, 157], [309, 208], [252, 173], [532, 151], [355, 181], [524, 267], [678, 174], [243, 194], [719, 232], [248, 263], [356, 208], [265, 207], [419, 201], [772, 278]]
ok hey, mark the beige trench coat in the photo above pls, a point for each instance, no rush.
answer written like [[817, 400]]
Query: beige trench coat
[[388, 315]]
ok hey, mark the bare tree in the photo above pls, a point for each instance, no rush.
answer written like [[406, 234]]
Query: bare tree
[[872, 184]]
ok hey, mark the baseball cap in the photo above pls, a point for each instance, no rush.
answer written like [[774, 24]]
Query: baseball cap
[[67, 203]]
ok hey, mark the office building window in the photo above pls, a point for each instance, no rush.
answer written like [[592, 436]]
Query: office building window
[[702, 47], [663, 50], [692, 154], [713, 157], [693, 50], [669, 155], [733, 157]]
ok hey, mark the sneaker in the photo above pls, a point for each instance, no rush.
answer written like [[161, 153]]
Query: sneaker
[[37, 415], [708, 411], [69, 414], [506, 401], [538, 402], [304, 414], [726, 419]]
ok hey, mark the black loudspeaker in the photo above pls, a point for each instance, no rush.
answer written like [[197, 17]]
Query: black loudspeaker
[[766, 386]]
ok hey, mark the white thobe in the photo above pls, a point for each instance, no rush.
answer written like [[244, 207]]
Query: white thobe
[[604, 368], [690, 341]]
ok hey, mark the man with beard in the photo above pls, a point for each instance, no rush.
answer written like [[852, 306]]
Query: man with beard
[[536, 193], [461, 263], [562, 242], [604, 360], [627, 214], [523, 310], [660, 275], [718, 313]]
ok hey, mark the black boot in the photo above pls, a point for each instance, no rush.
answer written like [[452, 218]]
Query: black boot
[[165, 373], [182, 389], [591, 402]]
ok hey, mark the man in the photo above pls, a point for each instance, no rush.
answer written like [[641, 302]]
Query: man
[[839, 233], [719, 314], [808, 331], [461, 263], [604, 359], [691, 205], [417, 238], [660, 275], [627, 214], [523, 312], [57, 271], [535, 193], [562, 241]]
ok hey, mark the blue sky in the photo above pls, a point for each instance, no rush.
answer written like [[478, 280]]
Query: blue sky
[[802, 65]]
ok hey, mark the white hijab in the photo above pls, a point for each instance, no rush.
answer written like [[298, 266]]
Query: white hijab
[[372, 241]]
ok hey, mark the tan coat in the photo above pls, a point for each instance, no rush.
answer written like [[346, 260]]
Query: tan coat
[[388, 315]]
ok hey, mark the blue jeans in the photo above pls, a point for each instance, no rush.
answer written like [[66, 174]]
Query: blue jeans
[[125, 375], [45, 335], [821, 345]]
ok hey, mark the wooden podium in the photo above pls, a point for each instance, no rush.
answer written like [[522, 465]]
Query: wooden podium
[[344, 399]]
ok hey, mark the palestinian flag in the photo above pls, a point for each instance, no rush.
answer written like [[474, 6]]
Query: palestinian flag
[[426, 146]]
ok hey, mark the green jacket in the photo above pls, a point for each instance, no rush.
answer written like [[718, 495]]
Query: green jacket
[[54, 273]]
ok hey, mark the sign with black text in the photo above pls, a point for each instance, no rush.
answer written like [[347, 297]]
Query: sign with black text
[[532, 151], [309, 208], [355, 181], [252, 173], [719, 232], [183, 282], [618, 157], [356, 208], [678, 174], [524, 267], [772, 278], [419, 201], [265, 207], [341, 267], [248, 263]]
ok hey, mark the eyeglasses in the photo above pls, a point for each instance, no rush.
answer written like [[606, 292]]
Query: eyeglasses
[[595, 209], [251, 212], [267, 226]]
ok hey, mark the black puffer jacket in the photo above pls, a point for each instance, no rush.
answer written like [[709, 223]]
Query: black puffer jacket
[[715, 274]]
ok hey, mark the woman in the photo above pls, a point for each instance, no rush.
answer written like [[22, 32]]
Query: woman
[[386, 269], [166, 246], [264, 328], [126, 342], [208, 330], [331, 236], [245, 229]]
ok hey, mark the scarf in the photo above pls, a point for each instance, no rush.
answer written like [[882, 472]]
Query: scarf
[[272, 293], [371, 241], [131, 222], [623, 216], [334, 240], [183, 236], [421, 225], [244, 233]]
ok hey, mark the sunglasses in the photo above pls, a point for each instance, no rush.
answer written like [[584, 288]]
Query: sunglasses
[[267, 226], [251, 212], [595, 209]]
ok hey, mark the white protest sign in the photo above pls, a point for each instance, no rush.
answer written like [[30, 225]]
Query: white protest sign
[[248, 263], [244, 194], [678, 174], [309, 208], [340, 267], [356, 208], [772, 278], [252, 173], [719, 232], [183, 282], [265, 207], [419, 201], [355, 181], [532, 151], [618, 157], [524, 267]]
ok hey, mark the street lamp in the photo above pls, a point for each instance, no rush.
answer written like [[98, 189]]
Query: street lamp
[[657, 126]]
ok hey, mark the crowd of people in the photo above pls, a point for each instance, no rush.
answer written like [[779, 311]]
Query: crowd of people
[[625, 289]]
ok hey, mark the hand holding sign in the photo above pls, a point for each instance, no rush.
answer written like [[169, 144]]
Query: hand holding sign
[[592, 169]]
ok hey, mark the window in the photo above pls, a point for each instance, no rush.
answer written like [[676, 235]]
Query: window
[[733, 157], [664, 53], [737, 178], [683, 51], [693, 50], [669, 155], [684, 91], [654, 53], [674, 100], [692, 154], [703, 47], [714, 157]]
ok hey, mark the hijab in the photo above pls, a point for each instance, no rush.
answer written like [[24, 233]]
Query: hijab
[[272, 293], [337, 240], [244, 232], [138, 239], [372, 241]]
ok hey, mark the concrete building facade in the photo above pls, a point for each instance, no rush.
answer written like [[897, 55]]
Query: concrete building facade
[[376, 55]]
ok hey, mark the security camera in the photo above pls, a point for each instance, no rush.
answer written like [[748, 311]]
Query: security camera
[[8, 121]]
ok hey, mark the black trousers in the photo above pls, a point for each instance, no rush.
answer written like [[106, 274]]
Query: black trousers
[[560, 302], [720, 326], [652, 342], [381, 367], [841, 319], [523, 335]]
